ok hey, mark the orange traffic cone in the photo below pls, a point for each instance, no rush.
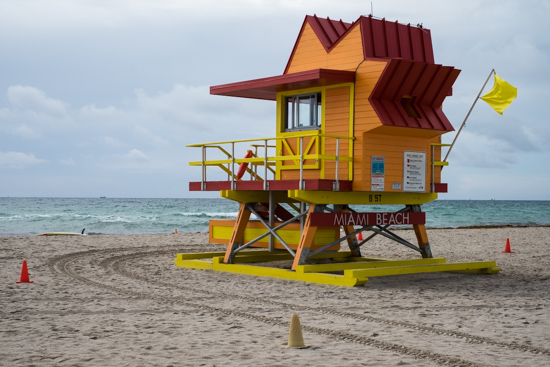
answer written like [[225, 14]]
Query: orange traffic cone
[[360, 236], [507, 249], [24, 274]]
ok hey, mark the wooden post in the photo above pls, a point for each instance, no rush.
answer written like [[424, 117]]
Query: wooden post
[[272, 207], [306, 240], [238, 233], [422, 235]]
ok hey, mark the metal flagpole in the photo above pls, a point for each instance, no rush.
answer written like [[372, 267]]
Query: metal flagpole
[[468, 115]]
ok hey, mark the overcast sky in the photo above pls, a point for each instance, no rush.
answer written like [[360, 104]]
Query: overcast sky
[[99, 98]]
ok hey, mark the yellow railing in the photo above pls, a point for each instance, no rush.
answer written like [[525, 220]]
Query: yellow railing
[[269, 158], [435, 163]]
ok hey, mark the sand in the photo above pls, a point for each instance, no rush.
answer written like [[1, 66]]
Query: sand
[[119, 300]]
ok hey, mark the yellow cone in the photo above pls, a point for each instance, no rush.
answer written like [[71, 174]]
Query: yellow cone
[[295, 337]]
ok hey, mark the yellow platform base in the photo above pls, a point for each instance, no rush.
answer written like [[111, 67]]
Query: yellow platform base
[[341, 268]]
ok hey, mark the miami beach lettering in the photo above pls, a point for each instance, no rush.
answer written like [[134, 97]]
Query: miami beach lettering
[[367, 219], [362, 219]]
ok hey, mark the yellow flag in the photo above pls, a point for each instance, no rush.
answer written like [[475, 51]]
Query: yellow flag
[[501, 96]]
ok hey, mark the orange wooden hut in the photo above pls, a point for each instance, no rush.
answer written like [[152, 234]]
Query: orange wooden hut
[[358, 121]]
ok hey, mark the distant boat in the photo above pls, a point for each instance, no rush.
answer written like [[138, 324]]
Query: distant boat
[[103, 197]]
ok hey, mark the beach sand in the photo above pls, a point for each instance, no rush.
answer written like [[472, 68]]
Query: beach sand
[[119, 300]]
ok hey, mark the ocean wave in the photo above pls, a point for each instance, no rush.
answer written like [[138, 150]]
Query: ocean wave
[[210, 215], [26, 217], [134, 216]]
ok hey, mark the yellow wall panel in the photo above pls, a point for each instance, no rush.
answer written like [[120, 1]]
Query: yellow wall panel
[[392, 147], [221, 230], [365, 118]]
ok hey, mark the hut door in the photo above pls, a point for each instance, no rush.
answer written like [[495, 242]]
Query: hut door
[[302, 126]]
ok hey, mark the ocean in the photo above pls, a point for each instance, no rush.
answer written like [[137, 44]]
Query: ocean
[[31, 216]]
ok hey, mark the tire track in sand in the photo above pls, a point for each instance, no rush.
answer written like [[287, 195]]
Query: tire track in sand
[[118, 259]]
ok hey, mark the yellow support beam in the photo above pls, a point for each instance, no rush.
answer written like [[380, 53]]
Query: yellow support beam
[[255, 196], [198, 255], [364, 259], [487, 267], [366, 265], [266, 256], [356, 270], [361, 197], [194, 264], [319, 278], [333, 158]]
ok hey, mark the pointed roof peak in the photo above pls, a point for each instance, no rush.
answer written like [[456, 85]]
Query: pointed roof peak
[[381, 37], [329, 31]]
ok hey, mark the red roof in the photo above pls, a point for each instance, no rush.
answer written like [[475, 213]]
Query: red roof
[[425, 84], [381, 39], [267, 88], [327, 30], [410, 90]]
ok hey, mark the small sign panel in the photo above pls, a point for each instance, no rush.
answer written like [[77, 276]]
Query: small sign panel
[[377, 173], [414, 171]]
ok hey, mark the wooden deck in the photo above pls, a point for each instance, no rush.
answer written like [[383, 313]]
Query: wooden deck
[[273, 185]]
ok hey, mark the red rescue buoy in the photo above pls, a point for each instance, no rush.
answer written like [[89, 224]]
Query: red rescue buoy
[[244, 165]]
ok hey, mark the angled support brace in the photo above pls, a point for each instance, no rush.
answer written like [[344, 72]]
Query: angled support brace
[[383, 231], [379, 230], [235, 246], [307, 237], [354, 246], [346, 237], [273, 231]]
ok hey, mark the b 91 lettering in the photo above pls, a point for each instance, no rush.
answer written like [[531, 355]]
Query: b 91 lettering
[[377, 198]]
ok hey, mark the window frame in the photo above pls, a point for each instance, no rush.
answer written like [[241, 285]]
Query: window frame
[[292, 119]]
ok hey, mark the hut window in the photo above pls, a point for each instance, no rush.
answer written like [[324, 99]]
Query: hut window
[[407, 102], [303, 112]]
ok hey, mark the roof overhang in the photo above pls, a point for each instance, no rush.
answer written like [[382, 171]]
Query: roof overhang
[[267, 88], [422, 86]]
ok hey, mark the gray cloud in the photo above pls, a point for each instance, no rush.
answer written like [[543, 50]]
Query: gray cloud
[[109, 94], [18, 160], [31, 99]]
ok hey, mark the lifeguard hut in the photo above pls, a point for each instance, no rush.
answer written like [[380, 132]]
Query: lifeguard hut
[[358, 121]]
